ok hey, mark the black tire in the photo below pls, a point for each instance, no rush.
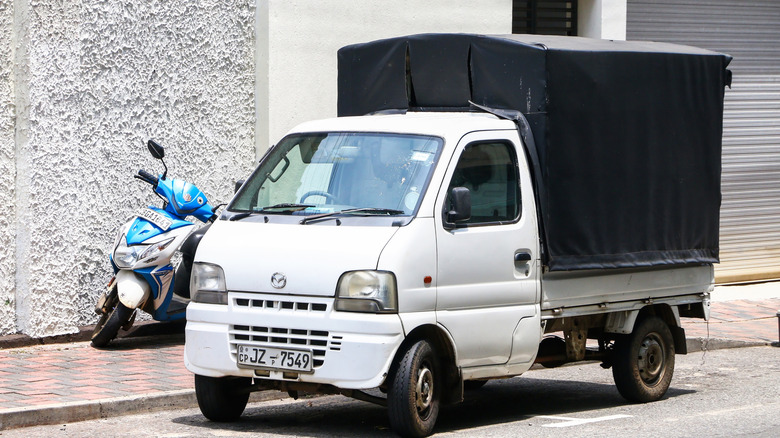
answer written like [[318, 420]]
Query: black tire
[[181, 280], [473, 385], [414, 395], [109, 324], [221, 399], [644, 361]]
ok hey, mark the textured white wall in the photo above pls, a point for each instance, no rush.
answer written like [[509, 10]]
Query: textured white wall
[[93, 80], [7, 172], [83, 84], [301, 39]]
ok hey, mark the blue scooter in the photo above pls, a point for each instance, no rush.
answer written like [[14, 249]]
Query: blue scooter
[[149, 273]]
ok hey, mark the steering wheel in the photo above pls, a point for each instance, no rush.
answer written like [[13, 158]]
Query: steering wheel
[[326, 195]]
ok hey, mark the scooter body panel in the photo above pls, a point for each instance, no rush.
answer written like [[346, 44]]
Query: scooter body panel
[[133, 291], [142, 229], [184, 199]]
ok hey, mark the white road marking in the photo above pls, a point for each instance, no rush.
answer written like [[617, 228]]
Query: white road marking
[[729, 410], [568, 421]]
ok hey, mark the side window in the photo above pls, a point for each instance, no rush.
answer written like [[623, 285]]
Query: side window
[[489, 170]]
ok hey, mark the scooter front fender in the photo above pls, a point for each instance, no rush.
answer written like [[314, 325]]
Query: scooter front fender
[[133, 290]]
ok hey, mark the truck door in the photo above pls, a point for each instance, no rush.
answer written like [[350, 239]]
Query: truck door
[[487, 281]]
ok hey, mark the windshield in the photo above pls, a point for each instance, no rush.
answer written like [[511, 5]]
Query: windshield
[[362, 173]]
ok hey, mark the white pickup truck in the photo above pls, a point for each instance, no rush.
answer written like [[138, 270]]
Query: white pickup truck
[[432, 247]]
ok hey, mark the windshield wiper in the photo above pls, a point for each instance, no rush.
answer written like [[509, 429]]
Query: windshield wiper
[[285, 207], [374, 211], [278, 208], [239, 216], [354, 211]]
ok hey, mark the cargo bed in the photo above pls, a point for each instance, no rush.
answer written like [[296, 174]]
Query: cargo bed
[[576, 293]]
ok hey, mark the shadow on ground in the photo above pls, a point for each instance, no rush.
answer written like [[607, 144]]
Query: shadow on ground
[[149, 336], [497, 402]]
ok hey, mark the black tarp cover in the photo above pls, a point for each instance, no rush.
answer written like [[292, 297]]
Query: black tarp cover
[[627, 134]]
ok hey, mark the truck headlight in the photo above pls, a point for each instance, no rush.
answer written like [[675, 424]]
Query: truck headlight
[[207, 284], [367, 291]]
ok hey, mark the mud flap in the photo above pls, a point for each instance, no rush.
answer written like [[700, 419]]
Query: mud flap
[[680, 344]]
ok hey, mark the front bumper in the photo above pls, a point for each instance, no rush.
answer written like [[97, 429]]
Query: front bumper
[[350, 350]]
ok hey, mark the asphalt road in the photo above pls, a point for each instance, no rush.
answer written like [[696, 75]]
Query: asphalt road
[[732, 392]]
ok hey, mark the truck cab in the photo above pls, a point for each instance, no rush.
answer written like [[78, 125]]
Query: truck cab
[[345, 241]]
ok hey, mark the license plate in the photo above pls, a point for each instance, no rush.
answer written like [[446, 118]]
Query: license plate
[[157, 219], [274, 358]]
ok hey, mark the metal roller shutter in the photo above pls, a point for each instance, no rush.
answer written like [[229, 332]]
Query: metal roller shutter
[[750, 32]]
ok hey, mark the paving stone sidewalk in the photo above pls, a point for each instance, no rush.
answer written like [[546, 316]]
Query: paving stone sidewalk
[[59, 383], [740, 320], [76, 372]]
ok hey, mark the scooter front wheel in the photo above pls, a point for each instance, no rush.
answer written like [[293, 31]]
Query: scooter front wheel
[[109, 324]]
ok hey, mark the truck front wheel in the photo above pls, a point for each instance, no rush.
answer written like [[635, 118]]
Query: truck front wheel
[[415, 392], [221, 399], [644, 361]]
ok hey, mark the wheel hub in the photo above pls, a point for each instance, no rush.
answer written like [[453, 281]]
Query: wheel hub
[[424, 389], [651, 359]]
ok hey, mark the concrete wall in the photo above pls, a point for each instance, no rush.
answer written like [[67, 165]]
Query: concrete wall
[[298, 40], [7, 171], [605, 19], [90, 82]]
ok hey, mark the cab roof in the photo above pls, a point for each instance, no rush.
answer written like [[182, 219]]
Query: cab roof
[[440, 124]]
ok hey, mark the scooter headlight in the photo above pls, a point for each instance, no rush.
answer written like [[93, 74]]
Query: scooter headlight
[[127, 256], [154, 249], [120, 238], [124, 256]]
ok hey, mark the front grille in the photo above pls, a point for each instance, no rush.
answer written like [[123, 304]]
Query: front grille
[[282, 305], [278, 337]]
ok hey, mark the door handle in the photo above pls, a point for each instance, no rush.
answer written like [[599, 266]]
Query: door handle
[[522, 257]]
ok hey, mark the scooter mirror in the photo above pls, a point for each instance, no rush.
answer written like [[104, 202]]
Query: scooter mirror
[[156, 150]]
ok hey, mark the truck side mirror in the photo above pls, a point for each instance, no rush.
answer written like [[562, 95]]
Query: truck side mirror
[[460, 202], [238, 185]]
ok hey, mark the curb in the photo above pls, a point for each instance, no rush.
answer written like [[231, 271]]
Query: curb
[[709, 344], [79, 411], [70, 412]]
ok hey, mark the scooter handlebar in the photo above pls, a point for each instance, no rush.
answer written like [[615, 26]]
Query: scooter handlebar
[[147, 177]]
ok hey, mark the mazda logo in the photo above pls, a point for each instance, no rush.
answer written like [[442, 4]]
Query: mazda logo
[[278, 280]]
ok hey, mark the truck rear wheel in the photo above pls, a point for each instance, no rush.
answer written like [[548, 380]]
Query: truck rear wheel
[[644, 361], [414, 395], [221, 399]]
